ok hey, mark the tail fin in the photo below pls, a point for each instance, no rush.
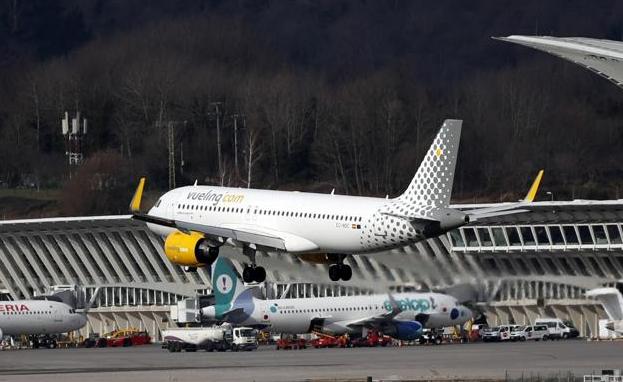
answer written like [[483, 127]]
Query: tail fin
[[611, 300], [432, 184], [226, 283]]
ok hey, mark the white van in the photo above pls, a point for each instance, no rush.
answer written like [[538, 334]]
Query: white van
[[531, 332], [558, 328]]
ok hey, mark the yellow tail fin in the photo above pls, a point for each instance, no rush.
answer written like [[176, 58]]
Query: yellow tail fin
[[135, 204], [534, 188]]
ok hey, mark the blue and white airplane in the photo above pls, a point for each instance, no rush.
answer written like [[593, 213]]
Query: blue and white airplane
[[401, 315], [195, 221]]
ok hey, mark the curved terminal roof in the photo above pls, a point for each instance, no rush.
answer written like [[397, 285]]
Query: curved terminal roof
[[604, 57]]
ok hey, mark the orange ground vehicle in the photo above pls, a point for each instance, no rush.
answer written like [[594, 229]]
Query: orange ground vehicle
[[124, 337], [372, 339], [291, 343]]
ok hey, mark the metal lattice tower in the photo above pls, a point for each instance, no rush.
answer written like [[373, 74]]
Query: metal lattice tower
[[171, 144]]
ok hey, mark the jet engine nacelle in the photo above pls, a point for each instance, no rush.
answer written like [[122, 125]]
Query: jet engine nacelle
[[405, 330], [188, 249], [447, 219]]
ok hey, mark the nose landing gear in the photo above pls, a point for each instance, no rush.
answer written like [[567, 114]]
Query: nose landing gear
[[252, 273]]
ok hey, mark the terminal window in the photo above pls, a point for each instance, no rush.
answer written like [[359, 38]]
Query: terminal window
[[600, 234], [613, 233], [570, 235], [513, 236], [498, 237], [585, 235], [485, 238], [556, 235], [528, 238]]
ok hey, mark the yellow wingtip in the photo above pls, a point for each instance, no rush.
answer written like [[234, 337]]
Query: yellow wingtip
[[534, 188], [135, 204]]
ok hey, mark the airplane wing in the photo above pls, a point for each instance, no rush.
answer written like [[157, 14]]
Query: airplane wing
[[510, 208], [238, 234], [376, 320]]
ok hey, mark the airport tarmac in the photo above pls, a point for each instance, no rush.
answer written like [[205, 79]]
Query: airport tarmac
[[469, 361]]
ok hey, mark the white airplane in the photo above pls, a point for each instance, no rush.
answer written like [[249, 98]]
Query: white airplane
[[402, 316], [27, 317], [325, 228], [612, 301]]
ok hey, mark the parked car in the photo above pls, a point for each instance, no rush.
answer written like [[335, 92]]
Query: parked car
[[531, 332], [124, 337], [558, 328]]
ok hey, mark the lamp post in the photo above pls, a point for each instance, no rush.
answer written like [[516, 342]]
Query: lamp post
[[551, 195]]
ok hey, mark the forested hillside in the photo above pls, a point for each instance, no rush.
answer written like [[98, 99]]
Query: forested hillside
[[308, 95]]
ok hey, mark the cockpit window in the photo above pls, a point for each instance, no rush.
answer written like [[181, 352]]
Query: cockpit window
[[158, 203]]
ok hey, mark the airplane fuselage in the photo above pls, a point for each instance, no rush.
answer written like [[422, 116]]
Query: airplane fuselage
[[309, 222], [338, 314], [38, 317]]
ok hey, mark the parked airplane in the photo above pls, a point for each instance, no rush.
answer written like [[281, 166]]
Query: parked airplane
[[612, 301], [38, 317], [402, 315], [325, 228]]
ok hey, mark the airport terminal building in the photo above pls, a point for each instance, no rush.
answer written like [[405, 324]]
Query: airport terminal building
[[517, 267]]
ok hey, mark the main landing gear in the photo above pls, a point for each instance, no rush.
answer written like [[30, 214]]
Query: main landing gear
[[252, 273], [339, 270]]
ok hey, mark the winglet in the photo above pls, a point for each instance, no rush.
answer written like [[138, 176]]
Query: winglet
[[534, 188], [135, 204]]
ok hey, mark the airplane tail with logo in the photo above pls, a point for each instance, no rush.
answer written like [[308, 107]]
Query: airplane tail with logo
[[431, 186], [233, 300], [227, 284]]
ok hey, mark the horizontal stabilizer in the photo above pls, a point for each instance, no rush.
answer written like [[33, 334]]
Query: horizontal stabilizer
[[509, 208], [611, 300]]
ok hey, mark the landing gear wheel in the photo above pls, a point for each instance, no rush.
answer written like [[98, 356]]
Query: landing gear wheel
[[334, 272], [346, 272], [212, 255], [259, 274], [248, 274]]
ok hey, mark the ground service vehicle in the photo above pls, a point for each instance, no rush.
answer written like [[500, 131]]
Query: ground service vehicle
[[124, 337], [324, 342], [219, 338], [558, 328], [289, 343]]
